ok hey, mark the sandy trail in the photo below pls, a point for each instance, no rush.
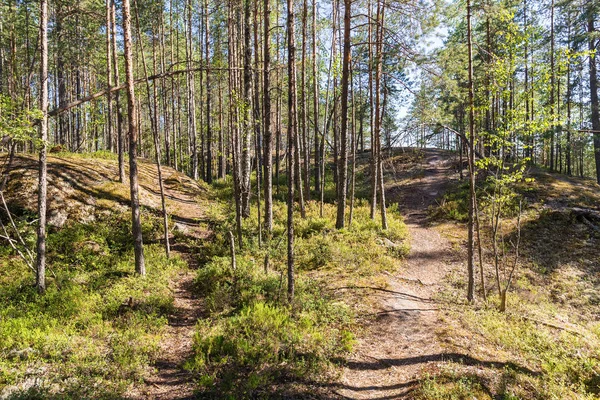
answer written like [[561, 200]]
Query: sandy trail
[[402, 341]]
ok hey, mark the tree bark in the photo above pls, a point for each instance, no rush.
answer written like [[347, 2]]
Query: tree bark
[[268, 137], [304, 105], [109, 116], [209, 138], [248, 123], [594, 95], [43, 179], [343, 160], [471, 155], [153, 111], [136, 222], [315, 86], [292, 119], [379, 114], [192, 131], [120, 139]]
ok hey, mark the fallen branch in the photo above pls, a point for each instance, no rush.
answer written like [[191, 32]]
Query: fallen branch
[[551, 325]]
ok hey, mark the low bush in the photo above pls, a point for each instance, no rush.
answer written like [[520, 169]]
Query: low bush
[[254, 338], [97, 326]]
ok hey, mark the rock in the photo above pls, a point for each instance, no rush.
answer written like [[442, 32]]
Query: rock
[[182, 228], [92, 246], [57, 218], [388, 243], [22, 354]]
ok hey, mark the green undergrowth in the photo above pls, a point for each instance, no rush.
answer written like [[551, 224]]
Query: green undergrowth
[[547, 344], [543, 347], [451, 386], [95, 330], [254, 339]]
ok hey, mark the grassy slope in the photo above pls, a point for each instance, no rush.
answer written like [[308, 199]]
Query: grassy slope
[[96, 330], [547, 345]]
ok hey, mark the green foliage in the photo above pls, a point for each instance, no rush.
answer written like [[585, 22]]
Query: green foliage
[[452, 387], [569, 363], [97, 325], [253, 336], [454, 204], [16, 122]]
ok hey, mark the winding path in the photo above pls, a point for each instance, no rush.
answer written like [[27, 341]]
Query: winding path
[[402, 341]]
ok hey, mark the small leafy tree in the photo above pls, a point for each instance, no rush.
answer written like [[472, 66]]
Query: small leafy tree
[[16, 127]]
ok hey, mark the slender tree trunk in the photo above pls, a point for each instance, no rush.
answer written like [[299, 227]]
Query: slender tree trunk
[[153, 111], [471, 155], [109, 113], [304, 105], [209, 138], [353, 148], [248, 123], [222, 156], [120, 139], [268, 137], [569, 98], [192, 130], [374, 178], [292, 119], [379, 114], [326, 117], [594, 95], [136, 222], [315, 85], [552, 80], [343, 161], [43, 179]]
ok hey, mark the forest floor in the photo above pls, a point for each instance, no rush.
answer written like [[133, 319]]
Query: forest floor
[[402, 339], [418, 339]]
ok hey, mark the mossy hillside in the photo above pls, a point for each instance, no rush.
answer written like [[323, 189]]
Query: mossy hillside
[[96, 329], [550, 328]]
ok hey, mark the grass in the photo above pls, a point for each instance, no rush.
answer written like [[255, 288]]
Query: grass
[[96, 329], [255, 341], [547, 345]]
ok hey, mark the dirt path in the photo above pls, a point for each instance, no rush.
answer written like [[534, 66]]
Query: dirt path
[[169, 380], [403, 341]]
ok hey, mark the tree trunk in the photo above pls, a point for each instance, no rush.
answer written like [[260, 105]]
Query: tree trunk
[[209, 139], [552, 80], [153, 110], [248, 123], [594, 95], [43, 180], [343, 161], [374, 168], [379, 114], [268, 137], [120, 139], [304, 104], [109, 113], [292, 119], [471, 155], [136, 222], [353, 149], [315, 86], [192, 131]]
